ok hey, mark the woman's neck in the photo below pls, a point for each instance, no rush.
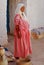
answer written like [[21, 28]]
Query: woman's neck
[[21, 14]]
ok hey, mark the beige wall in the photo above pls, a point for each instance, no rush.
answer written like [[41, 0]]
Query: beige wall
[[12, 5], [3, 30]]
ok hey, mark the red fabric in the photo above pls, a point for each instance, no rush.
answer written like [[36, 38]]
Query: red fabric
[[22, 46]]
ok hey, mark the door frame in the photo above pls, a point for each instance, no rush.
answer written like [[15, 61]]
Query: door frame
[[8, 28]]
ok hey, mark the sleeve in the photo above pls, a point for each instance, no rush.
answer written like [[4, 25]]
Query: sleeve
[[17, 25], [17, 22]]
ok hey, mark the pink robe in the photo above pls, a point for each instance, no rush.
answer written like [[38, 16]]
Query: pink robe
[[22, 46]]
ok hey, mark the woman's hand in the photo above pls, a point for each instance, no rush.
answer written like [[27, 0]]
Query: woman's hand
[[18, 31], [19, 34]]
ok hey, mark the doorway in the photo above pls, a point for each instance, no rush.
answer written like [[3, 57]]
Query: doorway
[[11, 6]]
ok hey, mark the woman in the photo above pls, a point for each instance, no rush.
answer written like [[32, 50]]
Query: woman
[[22, 45]]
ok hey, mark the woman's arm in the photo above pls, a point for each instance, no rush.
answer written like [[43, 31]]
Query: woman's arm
[[17, 25]]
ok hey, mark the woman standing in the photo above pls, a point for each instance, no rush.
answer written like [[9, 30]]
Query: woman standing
[[22, 45]]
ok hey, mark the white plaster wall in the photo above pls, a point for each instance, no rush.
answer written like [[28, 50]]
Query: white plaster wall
[[3, 31], [35, 13]]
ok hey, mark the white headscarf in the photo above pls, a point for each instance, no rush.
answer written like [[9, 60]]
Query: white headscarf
[[18, 11]]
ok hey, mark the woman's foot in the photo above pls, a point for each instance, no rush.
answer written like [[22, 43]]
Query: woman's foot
[[28, 58], [17, 58]]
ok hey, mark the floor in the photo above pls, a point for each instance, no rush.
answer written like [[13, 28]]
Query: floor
[[37, 47]]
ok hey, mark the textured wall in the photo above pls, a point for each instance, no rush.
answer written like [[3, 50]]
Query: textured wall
[[3, 31], [35, 13]]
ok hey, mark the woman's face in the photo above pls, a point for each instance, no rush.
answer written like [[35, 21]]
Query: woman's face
[[22, 9]]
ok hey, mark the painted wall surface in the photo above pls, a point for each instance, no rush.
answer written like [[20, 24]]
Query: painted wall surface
[[3, 31], [35, 13]]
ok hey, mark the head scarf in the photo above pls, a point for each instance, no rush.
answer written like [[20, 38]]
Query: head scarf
[[17, 11]]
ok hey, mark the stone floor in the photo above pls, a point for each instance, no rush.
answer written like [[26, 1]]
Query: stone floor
[[37, 47]]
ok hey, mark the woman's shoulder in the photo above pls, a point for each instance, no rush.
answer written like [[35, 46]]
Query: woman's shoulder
[[17, 15]]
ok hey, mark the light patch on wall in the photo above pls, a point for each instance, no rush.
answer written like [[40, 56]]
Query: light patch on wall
[[35, 9], [3, 31]]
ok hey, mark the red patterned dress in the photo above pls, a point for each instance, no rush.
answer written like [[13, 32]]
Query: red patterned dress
[[22, 45]]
